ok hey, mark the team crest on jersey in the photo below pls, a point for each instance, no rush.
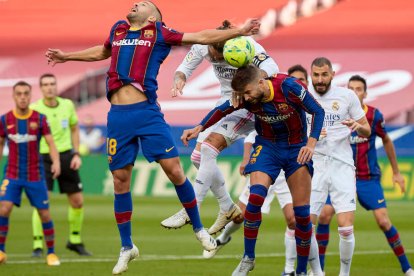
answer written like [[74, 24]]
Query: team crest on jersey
[[252, 160], [335, 106], [109, 159], [149, 33], [33, 125], [282, 107]]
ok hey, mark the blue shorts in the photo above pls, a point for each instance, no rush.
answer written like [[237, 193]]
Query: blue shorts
[[141, 122], [370, 194], [270, 157], [36, 192], [328, 200]]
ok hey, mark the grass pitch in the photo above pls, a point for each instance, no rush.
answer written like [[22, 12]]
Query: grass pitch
[[177, 252]]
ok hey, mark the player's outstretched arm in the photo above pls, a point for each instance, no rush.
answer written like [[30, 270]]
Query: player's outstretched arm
[[95, 53], [392, 156], [54, 155], [178, 84], [251, 27]]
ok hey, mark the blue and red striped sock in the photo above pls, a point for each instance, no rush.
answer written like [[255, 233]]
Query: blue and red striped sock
[[123, 212], [4, 228], [49, 234], [185, 193], [395, 242], [322, 236], [253, 218], [303, 234]]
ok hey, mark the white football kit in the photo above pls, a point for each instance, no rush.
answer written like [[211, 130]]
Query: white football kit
[[279, 188], [334, 170], [241, 122]]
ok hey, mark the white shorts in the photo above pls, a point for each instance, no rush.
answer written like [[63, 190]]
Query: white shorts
[[335, 178], [279, 188], [233, 127]]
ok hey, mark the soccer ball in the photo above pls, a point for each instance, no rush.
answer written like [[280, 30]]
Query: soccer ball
[[238, 51]]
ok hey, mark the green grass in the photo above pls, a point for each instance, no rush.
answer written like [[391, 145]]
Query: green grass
[[177, 252]]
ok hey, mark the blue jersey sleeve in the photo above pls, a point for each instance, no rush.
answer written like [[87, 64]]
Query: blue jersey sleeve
[[217, 113], [297, 93]]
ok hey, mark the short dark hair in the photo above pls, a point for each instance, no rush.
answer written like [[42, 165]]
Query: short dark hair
[[321, 61], [158, 11], [218, 46], [359, 78], [22, 83], [46, 75], [243, 76], [299, 68]]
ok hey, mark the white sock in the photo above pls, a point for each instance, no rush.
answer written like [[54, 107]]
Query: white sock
[[346, 248], [195, 158], [314, 255], [209, 176], [290, 250], [230, 228]]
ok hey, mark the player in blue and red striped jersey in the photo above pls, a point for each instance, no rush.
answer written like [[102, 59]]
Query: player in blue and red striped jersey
[[23, 128], [137, 49], [279, 104], [368, 175]]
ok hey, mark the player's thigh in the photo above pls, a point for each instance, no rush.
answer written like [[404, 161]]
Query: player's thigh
[[265, 158], [11, 190], [320, 188], [342, 188], [37, 194], [69, 180], [47, 164], [157, 142], [122, 140], [370, 194], [235, 126]]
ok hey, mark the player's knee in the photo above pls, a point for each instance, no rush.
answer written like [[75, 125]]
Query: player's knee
[[5, 210], [346, 232], [44, 215], [384, 223], [239, 219], [291, 223]]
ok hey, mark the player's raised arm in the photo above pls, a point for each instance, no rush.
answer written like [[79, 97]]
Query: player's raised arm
[[95, 53], [251, 27], [54, 155]]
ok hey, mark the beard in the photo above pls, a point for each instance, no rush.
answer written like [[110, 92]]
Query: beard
[[322, 88]]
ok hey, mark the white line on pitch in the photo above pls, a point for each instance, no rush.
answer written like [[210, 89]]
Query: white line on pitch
[[184, 257]]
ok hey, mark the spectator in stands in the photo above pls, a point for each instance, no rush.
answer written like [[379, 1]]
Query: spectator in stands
[[91, 137]]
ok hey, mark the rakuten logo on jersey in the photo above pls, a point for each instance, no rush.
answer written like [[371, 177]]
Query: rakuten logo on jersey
[[131, 42], [274, 119], [22, 138]]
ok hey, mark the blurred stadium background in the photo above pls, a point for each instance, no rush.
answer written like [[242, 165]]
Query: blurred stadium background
[[369, 37]]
